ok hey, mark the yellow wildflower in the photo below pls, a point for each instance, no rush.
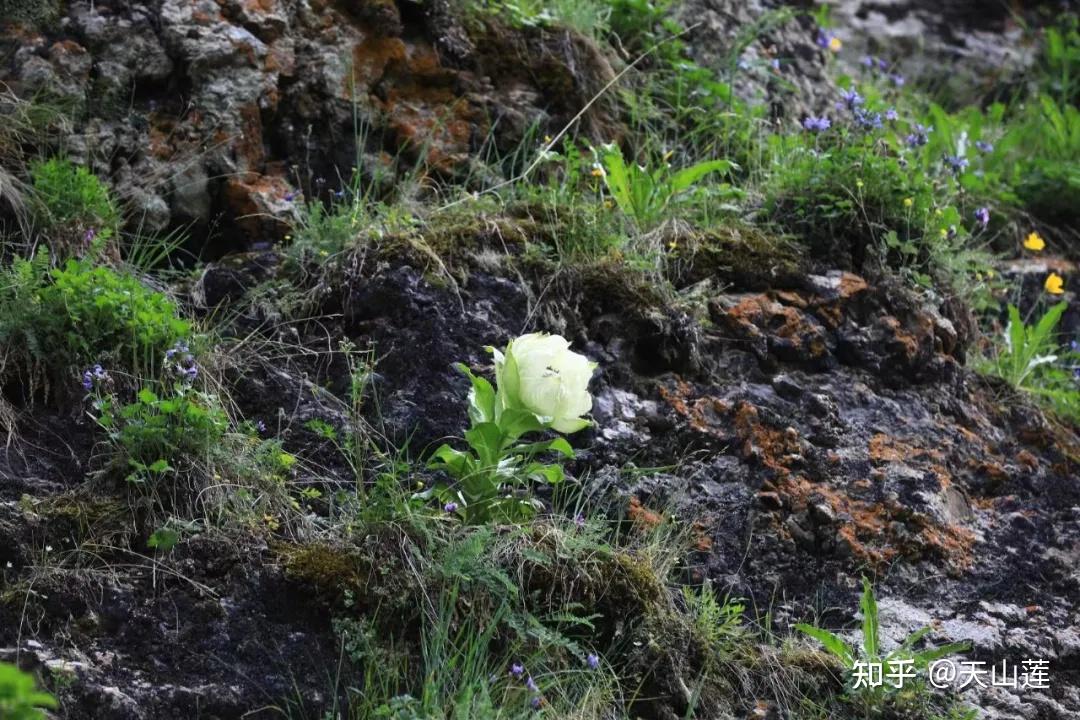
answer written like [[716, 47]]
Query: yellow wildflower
[[858, 183], [1054, 284], [1034, 242], [597, 171], [835, 44], [908, 202]]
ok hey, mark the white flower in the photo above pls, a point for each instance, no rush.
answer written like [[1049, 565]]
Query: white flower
[[539, 373]]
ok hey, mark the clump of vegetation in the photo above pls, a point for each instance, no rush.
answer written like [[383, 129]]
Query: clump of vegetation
[[901, 682], [19, 697], [73, 208], [1031, 357], [56, 322], [542, 385]]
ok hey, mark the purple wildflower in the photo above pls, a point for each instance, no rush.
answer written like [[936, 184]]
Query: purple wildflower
[[983, 216], [816, 124], [868, 120], [823, 38], [897, 80], [89, 235], [984, 147], [868, 61], [95, 373], [891, 115], [291, 195], [451, 507], [919, 136], [852, 99], [958, 163], [536, 702], [531, 685], [191, 372], [882, 64], [339, 194], [775, 63], [180, 348], [1074, 346], [517, 670], [579, 520], [593, 661], [260, 426]]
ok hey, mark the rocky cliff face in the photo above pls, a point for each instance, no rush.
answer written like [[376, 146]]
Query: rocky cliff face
[[816, 425]]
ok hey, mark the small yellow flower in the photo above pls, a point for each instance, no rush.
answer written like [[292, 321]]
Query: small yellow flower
[[597, 171], [835, 44], [608, 204], [858, 183], [547, 139], [938, 212], [668, 154], [908, 202], [944, 232], [990, 274], [1034, 242], [1054, 284], [673, 244]]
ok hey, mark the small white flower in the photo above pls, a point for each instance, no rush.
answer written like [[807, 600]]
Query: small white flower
[[48, 548]]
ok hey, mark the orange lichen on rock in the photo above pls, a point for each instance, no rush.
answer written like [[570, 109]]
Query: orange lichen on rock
[[642, 516]]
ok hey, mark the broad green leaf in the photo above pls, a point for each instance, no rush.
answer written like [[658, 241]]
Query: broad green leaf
[[869, 608], [688, 177], [516, 422], [486, 440], [481, 397], [163, 539], [833, 643]]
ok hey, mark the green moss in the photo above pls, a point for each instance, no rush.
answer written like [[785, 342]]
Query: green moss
[[742, 256], [331, 570], [80, 518], [35, 14]]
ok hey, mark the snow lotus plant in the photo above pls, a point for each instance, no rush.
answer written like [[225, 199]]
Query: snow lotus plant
[[541, 385]]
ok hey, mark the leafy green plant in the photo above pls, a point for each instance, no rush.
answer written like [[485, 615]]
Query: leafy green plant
[[1030, 357], [645, 195], [160, 435], [73, 206], [870, 652], [542, 386], [19, 697], [1028, 347], [718, 623], [55, 323]]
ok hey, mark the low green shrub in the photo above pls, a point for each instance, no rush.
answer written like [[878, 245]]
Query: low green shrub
[[56, 322], [1031, 358], [73, 207], [161, 435], [19, 697], [858, 660]]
